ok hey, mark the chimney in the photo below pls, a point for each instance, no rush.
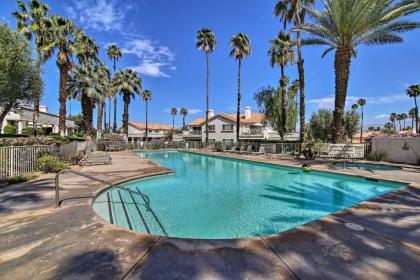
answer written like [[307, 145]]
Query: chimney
[[247, 112], [43, 108], [211, 113]]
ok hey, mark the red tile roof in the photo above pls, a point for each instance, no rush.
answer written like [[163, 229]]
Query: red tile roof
[[151, 126], [255, 118]]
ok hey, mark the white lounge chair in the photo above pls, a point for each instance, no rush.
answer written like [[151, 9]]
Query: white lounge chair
[[241, 149], [248, 150], [261, 151]]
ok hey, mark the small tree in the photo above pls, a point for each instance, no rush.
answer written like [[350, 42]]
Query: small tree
[[19, 79], [174, 112]]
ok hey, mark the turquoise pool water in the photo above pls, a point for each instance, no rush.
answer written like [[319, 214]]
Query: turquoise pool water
[[217, 198], [368, 166]]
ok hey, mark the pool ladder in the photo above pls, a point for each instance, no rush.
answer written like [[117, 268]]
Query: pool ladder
[[350, 158], [144, 197]]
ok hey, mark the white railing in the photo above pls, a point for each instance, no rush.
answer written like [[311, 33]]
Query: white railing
[[19, 160]]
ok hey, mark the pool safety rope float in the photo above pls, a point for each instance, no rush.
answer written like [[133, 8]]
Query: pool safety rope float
[[306, 167]]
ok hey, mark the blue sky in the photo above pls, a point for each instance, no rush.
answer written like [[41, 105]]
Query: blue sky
[[158, 41]]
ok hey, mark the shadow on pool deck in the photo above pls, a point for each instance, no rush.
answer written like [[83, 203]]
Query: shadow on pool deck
[[73, 243]]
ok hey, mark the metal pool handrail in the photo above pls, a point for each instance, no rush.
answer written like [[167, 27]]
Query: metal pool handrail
[[57, 186]]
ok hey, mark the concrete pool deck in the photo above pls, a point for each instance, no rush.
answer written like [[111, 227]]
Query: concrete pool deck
[[38, 242]]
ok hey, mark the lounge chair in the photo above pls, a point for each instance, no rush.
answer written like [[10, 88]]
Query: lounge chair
[[248, 150], [261, 151], [231, 150], [241, 149], [95, 158]]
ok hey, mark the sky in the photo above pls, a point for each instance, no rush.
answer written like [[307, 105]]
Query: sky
[[157, 38]]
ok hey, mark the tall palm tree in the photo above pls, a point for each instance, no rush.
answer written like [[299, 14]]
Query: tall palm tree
[[414, 91], [174, 111], [206, 41], [114, 53], [282, 53], [31, 20], [393, 118], [361, 102], [184, 113], [102, 88], [294, 11], [399, 119], [241, 49], [344, 25], [129, 84], [147, 97], [62, 34], [412, 116], [403, 118]]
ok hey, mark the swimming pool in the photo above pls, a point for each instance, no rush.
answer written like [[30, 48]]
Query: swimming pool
[[217, 198]]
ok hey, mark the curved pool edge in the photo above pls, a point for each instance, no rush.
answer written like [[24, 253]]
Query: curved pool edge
[[330, 216]]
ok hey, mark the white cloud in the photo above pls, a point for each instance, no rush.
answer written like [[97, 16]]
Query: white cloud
[[381, 117], [328, 102], [154, 59], [102, 15]]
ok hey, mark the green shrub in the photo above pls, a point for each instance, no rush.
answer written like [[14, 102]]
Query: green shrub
[[9, 129], [378, 155], [30, 131], [50, 164], [21, 178]]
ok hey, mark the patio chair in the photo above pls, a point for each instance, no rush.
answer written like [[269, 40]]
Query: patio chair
[[241, 149], [248, 150], [261, 151], [95, 158], [231, 150]]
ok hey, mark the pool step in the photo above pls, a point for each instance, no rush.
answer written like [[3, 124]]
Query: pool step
[[132, 210]]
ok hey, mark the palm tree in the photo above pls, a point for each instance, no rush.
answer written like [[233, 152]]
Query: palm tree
[[399, 119], [241, 49], [412, 116], [403, 118], [282, 53], [174, 111], [344, 25], [294, 11], [361, 102], [354, 107], [184, 113], [206, 41], [31, 22], [389, 126], [114, 53], [103, 88], [62, 34], [393, 118], [414, 91], [147, 97], [129, 84]]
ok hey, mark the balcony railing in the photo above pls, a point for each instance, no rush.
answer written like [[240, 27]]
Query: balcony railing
[[193, 133], [252, 132]]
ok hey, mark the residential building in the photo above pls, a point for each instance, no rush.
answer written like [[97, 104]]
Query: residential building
[[222, 128], [22, 117], [137, 131]]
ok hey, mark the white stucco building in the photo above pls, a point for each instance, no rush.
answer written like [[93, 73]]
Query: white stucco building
[[222, 128], [137, 131], [22, 117]]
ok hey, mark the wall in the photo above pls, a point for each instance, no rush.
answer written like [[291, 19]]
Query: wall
[[401, 149]]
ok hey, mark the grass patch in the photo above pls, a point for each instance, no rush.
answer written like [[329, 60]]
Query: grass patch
[[19, 179]]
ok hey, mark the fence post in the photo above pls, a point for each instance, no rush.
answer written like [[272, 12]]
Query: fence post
[[12, 161]]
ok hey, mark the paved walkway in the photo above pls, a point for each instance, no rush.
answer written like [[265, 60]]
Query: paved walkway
[[38, 242]]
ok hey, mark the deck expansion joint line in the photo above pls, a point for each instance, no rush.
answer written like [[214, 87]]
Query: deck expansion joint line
[[280, 258], [111, 220], [141, 258], [383, 236]]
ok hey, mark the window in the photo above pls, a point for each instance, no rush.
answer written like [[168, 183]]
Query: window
[[228, 142], [212, 128], [227, 127]]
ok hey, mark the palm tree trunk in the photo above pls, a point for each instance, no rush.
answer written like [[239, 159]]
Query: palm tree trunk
[[6, 110], [183, 122], [238, 108], [416, 114], [400, 124], [104, 114], [109, 114], [302, 94], [37, 98], [100, 112], [283, 102], [114, 128], [126, 98], [404, 124], [62, 99], [361, 127], [173, 121], [87, 111], [342, 72], [147, 120], [207, 97]]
